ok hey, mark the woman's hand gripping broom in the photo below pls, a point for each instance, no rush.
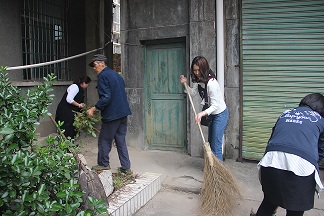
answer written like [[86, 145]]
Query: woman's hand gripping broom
[[220, 189]]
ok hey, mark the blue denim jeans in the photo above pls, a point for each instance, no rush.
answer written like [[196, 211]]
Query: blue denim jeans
[[215, 133], [113, 130]]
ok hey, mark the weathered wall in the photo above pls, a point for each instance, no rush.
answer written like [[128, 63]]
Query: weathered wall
[[143, 21], [232, 76], [10, 37], [195, 20], [11, 52], [202, 40]]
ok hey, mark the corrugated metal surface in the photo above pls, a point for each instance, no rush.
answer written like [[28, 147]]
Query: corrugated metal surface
[[283, 60]]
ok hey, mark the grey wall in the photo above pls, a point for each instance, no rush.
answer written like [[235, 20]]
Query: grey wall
[[143, 20], [232, 76], [202, 40], [10, 37], [11, 52]]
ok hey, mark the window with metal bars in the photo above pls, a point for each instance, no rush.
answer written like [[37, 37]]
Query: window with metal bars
[[45, 37]]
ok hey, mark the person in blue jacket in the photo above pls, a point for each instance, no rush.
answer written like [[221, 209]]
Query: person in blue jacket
[[114, 108], [289, 170]]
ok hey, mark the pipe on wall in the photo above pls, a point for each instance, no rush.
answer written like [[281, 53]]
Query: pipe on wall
[[220, 43], [220, 50]]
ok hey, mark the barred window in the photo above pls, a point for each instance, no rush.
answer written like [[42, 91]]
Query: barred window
[[45, 37]]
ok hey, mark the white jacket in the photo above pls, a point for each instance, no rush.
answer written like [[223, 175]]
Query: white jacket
[[215, 96]]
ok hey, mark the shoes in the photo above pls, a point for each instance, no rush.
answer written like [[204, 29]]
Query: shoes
[[123, 170], [98, 167], [252, 213]]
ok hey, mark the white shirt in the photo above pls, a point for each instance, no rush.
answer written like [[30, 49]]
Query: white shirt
[[72, 91], [215, 96], [291, 162]]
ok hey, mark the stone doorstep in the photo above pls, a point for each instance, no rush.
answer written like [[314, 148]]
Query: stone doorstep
[[132, 197], [127, 200]]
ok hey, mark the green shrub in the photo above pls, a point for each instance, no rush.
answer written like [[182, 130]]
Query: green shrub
[[36, 180]]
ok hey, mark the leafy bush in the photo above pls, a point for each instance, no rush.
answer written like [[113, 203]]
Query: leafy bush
[[85, 123], [36, 180]]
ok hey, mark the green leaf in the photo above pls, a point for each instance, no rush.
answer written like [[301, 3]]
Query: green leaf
[[28, 198], [68, 208], [61, 194], [56, 207], [75, 205], [6, 131], [12, 193], [41, 189], [13, 146], [5, 194], [67, 175], [14, 158]]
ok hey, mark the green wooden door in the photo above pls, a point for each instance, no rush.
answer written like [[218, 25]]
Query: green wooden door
[[283, 61], [165, 102]]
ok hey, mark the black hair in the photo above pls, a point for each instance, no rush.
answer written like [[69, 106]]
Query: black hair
[[84, 79], [315, 101], [205, 71]]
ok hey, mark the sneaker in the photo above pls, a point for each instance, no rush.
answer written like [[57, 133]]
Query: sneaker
[[123, 170], [98, 167]]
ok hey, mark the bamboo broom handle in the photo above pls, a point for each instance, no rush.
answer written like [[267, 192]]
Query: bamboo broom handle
[[193, 107]]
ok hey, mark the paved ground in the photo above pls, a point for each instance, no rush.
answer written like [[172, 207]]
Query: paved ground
[[182, 179]]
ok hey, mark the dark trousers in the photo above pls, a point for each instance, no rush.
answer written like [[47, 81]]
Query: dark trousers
[[287, 190], [113, 130], [268, 209]]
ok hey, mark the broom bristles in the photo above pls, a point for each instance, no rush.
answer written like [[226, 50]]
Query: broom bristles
[[220, 190]]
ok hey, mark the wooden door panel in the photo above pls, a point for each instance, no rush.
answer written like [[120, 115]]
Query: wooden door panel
[[165, 100]]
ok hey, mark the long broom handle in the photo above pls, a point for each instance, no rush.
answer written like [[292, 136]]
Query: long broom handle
[[193, 107]]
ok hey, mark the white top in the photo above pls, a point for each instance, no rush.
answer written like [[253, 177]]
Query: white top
[[72, 91], [293, 163], [215, 96]]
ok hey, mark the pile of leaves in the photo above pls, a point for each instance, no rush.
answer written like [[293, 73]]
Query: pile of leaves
[[120, 179], [85, 123], [36, 180]]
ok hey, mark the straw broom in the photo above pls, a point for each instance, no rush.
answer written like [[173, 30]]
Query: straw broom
[[220, 189]]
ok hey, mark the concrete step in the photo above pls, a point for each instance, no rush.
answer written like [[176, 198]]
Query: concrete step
[[127, 200]]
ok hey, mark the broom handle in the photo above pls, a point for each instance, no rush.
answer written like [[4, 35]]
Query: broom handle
[[193, 107]]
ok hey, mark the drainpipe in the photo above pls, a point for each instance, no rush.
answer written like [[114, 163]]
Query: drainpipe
[[220, 49], [220, 43]]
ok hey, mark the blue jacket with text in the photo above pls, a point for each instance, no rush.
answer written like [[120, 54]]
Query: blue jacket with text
[[299, 131]]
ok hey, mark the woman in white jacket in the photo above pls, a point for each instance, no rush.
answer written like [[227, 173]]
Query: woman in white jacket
[[204, 82]]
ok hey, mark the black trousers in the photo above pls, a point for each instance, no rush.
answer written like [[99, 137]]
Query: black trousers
[[287, 190]]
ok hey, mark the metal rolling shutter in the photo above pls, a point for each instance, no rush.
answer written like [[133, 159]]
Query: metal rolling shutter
[[283, 60]]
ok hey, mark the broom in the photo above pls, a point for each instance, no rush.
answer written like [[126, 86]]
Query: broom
[[219, 189]]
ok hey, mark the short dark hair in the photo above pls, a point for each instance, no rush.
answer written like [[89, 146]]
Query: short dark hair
[[84, 79], [315, 101]]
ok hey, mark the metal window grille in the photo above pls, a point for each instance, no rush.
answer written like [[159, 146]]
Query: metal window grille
[[45, 37]]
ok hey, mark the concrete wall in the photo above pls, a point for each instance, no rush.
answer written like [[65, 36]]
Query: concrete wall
[[143, 21], [202, 40], [232, 76], [10, 37], [11, 52], [195, 20]]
